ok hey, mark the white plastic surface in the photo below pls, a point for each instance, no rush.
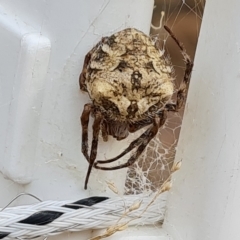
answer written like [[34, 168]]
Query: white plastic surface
[[205, 199], [58, 154], [20, 75], [43, 44], [25, 108]]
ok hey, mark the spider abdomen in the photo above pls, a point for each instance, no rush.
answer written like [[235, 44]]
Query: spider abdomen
[[130, 83], [127, 76]]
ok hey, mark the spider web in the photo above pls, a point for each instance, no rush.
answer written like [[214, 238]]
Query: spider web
[[154, 166]]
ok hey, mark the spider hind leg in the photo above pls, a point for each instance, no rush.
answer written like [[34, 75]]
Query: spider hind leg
[[182, 91]]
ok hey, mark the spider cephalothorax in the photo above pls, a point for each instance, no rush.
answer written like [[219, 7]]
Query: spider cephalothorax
[[130, 82]]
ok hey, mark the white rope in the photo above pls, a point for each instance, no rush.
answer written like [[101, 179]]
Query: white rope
[[98, 216]]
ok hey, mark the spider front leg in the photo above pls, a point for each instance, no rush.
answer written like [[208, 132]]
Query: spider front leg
[[96, 128], [182, 91], [133, 128], [84, 122], [141, 142]]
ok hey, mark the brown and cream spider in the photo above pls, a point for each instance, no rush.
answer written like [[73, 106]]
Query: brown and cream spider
[[131, 83]]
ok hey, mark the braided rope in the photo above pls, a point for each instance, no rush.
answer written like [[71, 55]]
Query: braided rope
[[54, 217]]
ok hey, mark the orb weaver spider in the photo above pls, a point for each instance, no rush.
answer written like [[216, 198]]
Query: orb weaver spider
[[131, 84]]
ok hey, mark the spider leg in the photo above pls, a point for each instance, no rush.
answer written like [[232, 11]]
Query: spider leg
[[141, 142], [84, 122], [87, 58], [96, 128], [131, 146], [82, 76], [182, 91], [135, 126], [104, 131]]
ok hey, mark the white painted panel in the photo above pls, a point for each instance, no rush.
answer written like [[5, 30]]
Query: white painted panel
[[204, 201], [25, 108], [44, 48]]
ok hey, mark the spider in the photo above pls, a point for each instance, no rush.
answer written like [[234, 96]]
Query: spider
[[131, 83]]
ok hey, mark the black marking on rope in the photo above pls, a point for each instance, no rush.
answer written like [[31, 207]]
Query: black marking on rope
[[42, 218], [86, 202], [46, 217], [4, 234]]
